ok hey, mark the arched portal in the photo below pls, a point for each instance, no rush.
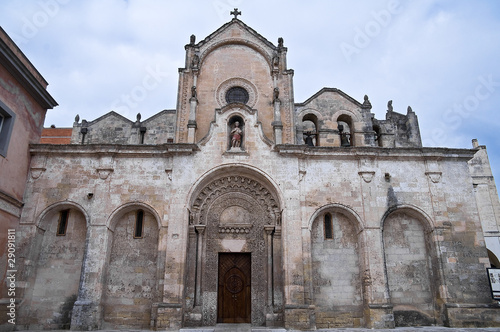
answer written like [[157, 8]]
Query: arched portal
[[234, 251]]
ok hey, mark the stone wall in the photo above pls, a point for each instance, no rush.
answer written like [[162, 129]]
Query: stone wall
[[57, 272], [408, 263], [336, 274], [131, 282]]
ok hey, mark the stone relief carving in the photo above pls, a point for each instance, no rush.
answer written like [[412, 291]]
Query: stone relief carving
[[235, 183], [104, 173], [367, 176], [435, 177], [36, 172], [239, 214]]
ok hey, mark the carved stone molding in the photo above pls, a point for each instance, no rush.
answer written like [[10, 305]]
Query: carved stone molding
[[268, 229], [236, 184], [168, 171], [36, 172], [367, 176], [200, 229], [104, 173], [435, 177], [235, 228]]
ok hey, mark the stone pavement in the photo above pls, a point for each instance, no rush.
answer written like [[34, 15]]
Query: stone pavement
[[248, 328]]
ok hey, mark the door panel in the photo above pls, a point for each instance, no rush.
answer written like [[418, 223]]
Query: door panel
[[234, 288]]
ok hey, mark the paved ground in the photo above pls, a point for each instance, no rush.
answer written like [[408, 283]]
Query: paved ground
[[256, 329]]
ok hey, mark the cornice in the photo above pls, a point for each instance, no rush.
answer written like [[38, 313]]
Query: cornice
[[425, 153], [21, 73], [118, 150]]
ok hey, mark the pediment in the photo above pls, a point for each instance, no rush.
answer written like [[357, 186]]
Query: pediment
[[236, 29], [111, 117], [236, 32], [330, 94]]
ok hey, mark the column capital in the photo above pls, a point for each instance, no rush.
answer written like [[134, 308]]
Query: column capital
[[200, 228]]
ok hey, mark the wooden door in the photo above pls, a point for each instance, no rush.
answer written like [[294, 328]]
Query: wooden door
[[234, 302]]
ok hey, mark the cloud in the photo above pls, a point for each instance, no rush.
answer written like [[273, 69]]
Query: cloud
[[428, 54]]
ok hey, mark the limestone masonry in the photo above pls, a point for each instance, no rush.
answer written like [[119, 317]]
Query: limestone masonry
[[242, 205]]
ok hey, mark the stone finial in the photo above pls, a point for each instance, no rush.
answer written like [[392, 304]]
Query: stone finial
[[77, 119], [138, 117], [280, 42], [409, 110], [475, 143], [366, 103], [192, 40], [389, 106]]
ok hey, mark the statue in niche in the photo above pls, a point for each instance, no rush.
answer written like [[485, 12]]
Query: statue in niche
[[196, 61], [236, 135], [193, 92], [276, 93], [276, 62]]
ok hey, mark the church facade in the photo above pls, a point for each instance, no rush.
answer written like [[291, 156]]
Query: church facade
[[244, 206]]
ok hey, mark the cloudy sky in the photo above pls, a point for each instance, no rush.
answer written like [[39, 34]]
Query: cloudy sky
[[441, 57]]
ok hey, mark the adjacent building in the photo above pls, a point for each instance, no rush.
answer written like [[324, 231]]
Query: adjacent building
[[24, 101]]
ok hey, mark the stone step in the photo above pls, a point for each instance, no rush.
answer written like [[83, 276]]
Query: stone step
[[232, 328]]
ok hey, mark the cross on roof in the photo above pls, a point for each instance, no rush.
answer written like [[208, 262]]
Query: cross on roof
[[235, 12]]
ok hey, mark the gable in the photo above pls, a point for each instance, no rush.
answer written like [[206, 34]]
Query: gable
[[330, 95]]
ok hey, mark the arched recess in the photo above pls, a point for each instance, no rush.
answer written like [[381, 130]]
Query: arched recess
[[134, 267], [345, 127], [236, 41], [310, 127], [235, 216], [411, 266], [337, 265], [61, 247]]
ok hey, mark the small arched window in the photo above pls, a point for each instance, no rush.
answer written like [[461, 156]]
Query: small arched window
[[378, 136], [328, 226], [310, 130], [63, 223], [344, 125], [139, 224]]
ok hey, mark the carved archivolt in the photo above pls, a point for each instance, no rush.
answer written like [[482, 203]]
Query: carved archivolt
[[236, 41], [236, 184]]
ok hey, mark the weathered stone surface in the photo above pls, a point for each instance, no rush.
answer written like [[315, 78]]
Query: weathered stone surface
[[407, 241]]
